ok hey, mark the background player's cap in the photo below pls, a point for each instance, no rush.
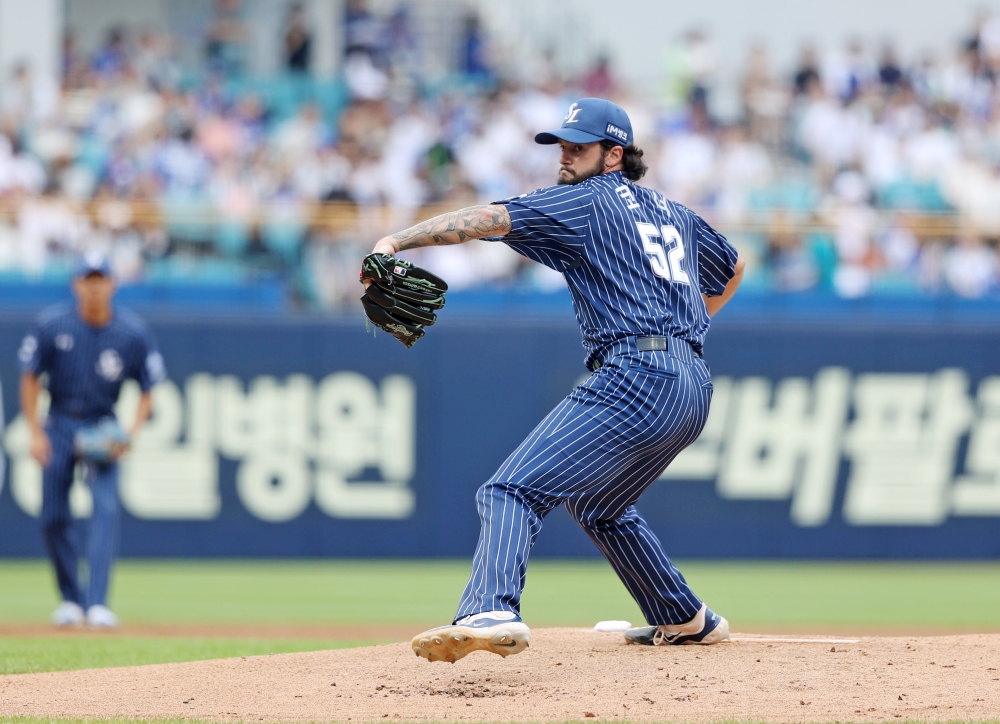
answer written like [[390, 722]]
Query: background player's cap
[[589, 120], [93, 262]]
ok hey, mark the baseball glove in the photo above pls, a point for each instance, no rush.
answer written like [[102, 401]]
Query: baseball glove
[[402, 297], [100, 443]]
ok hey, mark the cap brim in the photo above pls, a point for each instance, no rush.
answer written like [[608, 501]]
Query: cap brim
[[87, 271], [570, 135]]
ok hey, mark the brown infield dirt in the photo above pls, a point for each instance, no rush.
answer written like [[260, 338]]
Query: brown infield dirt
[[566, 675]]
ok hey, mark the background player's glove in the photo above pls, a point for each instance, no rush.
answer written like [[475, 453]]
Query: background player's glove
[[402, 297], [100, 443]]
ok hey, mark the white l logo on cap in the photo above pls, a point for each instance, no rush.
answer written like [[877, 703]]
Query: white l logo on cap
[[571, 115]]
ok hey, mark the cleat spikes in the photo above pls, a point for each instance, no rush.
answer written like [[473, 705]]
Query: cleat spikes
[[501, 635]]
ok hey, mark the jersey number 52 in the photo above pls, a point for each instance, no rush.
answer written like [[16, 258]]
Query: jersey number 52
[[665, 263]]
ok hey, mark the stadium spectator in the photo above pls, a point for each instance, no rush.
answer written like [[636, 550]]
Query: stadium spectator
[[51, 229], [889, 72], [403, 44], [849, 73], [598, 82], [154, 63], [475, 62], [363, 31], [298, 40], [227, 35], [20, 173], [74, 63], [27, 97], [807, 72], [970, 267], [111, 60], [302, 135], [765, 101]]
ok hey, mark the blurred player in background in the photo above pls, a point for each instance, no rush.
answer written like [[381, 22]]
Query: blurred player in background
[[645, 274], [87, 352]]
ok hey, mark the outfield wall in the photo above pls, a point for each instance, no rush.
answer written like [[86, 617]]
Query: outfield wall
[[309, 437]]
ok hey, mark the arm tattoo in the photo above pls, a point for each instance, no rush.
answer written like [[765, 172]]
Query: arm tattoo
[[455, 227]]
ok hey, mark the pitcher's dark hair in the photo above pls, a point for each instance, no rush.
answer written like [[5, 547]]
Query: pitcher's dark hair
[[633, 166]]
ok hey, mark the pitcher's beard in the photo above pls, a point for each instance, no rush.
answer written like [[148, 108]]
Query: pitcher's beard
[[582, 176]]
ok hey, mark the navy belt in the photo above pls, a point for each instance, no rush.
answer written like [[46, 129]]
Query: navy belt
[[682, 349]]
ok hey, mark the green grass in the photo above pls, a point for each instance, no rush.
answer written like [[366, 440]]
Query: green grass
[[25, 654], [935, 595], [322, 592], [558, 593]]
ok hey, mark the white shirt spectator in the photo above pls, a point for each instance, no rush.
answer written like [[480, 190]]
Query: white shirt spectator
[[318, 177], [29, 98], [183, 165], [364, 80], [301, 135], [27, 173], [486, 168], [989, 36], [930, 153], [882, 156], [538, 109], [686, 166], [50, 227], [743, 165], [407, 142], [854, 224], [899, 248], [824, 132], [140, 109], [970, 268]]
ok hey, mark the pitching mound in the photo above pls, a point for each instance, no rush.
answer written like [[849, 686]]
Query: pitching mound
[[567, 674]]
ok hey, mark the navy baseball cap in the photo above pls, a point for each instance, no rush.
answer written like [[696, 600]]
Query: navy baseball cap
[[93, 262], [589, 120]]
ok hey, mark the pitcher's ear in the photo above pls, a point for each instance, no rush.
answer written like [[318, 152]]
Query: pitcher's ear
[[614, 156]]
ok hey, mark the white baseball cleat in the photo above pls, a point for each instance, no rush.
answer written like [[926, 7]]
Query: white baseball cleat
[[68, 614], [101, 617], [499, 632], [707, 627]]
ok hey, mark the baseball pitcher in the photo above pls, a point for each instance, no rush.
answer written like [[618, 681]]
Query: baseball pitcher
[[646, 275]]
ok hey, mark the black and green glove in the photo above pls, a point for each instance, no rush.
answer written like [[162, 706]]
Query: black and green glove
[[402, 297]]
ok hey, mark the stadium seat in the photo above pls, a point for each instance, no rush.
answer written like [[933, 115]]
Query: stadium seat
[[908, 194], [283, 233], [232, 236], [186, 217], [93, 154]]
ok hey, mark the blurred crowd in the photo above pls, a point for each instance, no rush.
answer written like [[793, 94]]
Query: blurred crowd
[[852, 171]]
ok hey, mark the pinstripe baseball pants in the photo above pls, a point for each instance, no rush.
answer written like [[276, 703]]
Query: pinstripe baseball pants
[[597, 452], [58, 525]]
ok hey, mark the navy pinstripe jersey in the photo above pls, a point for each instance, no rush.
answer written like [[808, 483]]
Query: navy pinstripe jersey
[[636, 264], [87, 365]]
